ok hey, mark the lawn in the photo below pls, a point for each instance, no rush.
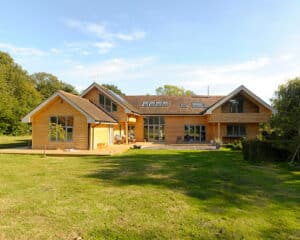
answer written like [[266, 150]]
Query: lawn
[[147, 194]]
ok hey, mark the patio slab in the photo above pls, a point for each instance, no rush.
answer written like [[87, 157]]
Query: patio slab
[[107, 151]]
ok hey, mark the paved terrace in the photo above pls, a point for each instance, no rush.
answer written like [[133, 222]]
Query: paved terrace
[[106, 151]]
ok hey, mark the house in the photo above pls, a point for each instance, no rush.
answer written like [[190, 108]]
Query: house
[[100, 117]]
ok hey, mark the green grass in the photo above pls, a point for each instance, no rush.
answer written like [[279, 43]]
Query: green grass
[[147, 194], [13, 141]]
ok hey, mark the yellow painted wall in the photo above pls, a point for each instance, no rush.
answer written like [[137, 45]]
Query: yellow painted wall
[[101, 136], [40, 126]]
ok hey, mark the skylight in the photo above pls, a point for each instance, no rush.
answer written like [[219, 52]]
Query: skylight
[[199, 105], [183, 105], [152, 104], [165, 104], [117, 96], [158, 104], [145, 104], [155, 104]]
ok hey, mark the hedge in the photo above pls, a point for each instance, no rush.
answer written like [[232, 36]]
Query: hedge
[[256, 150]]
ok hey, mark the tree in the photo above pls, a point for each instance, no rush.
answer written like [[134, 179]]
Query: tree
[[286, 121], [114, 88], [18, 96], [47, 84], [172, 90]]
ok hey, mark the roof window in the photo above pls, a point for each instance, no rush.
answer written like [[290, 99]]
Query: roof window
[[183, 105]]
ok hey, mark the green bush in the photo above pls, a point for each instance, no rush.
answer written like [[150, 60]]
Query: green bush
[[236, 145]]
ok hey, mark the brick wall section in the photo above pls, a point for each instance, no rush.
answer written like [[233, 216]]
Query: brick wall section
[[40, 126]]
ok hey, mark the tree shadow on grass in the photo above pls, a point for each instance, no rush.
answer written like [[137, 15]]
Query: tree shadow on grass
[[222, 177], [16, 144]]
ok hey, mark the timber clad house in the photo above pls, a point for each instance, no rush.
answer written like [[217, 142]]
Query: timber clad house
[[99, 117]]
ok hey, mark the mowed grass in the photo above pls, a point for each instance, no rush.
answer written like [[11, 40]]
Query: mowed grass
[[147, 194], [14, 141]]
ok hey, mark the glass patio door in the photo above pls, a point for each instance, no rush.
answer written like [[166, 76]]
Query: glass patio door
[[194, 133], [154, 129]]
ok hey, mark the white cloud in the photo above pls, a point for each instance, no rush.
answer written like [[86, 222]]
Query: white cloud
[[104, 47], [22, 51], [130, 37], [137, 76], [286, 57], [101, 31]]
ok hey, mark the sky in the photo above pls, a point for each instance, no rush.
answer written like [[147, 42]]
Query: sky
[[141, 45]]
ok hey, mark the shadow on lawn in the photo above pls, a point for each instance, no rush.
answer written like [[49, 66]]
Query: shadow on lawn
[[223, 178], [16, 143]]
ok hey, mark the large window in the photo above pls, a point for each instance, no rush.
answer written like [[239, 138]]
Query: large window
[[107, 104], [236, 130], [61, 128], [154, 128], [236, 105], [194, 133]]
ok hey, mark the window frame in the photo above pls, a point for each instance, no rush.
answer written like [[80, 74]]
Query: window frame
[[236, 105], [65, 127], [238, 130], [112, 107]]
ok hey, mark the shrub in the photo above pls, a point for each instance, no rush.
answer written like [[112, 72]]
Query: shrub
[[236, 145]]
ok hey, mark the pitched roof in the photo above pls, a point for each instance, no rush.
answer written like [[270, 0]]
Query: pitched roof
[[115, 97], [174, 106], [235, 92], [90, 108], [91, 111]]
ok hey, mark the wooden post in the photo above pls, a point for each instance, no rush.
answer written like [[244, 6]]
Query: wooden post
[[126, 130], [91, 136], [219, 131]]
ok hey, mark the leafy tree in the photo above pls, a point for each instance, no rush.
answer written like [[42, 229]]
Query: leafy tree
[[287, 105], [172, 90], [18, 96], [114, 88], [286, 121], [47, 84]]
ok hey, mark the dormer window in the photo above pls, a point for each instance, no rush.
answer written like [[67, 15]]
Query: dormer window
[[107, 103]]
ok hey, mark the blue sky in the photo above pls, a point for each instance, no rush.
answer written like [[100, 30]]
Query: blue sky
[[140, 45]]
